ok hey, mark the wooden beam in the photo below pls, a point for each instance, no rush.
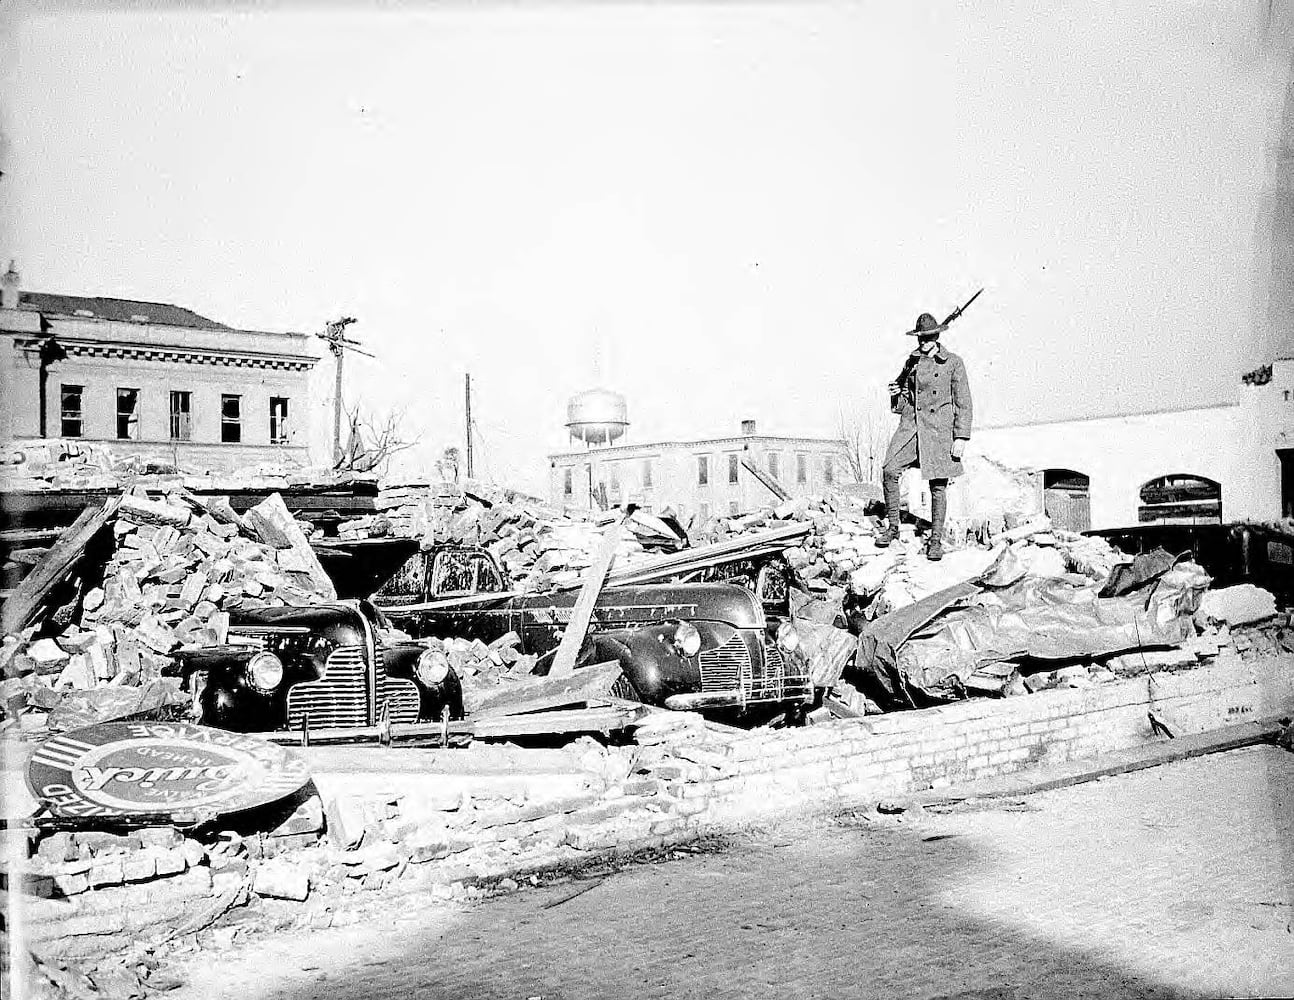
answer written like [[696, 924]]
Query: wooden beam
[[1077, 772], [594, 719], [746, 546], [534, 694], [59, 562], [577, 628], [772, 484]]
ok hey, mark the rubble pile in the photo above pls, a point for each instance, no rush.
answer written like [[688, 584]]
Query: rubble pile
[[176, 569], [481, 668], [539, 545]]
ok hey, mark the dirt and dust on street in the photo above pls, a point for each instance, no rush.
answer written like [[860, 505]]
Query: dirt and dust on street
[[1170, 882]]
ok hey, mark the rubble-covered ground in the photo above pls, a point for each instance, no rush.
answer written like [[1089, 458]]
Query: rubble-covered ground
[[178, 564]]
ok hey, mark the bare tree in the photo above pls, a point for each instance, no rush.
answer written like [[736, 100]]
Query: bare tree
[[865, 432], [449, 463], [372, 441]]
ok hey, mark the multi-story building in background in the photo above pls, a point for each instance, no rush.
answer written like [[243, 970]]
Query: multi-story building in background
[[150, 379], [709, 476]]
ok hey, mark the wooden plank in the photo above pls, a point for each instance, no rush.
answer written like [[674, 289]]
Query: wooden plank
[[772, 484], [59, 562], [1077, 772], [534, 694], [595, 719], [16, 536], [747, 546], [573, 636], [585, 720]]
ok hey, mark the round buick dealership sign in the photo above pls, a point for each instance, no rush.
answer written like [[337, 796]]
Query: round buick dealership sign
[[120, 768]]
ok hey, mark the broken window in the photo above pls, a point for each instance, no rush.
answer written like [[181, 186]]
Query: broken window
[[801, 468], [732, 467], [647, 470], [615, 478], [568, 482], [405, 584], [732, 507], [772, 464], [231, 418], [181, 415], [278, 420], [128, 414], [703, 470], [464, 573], [70, 409], [828, 471], [705, 510], [1066, 498], [1180, 498]]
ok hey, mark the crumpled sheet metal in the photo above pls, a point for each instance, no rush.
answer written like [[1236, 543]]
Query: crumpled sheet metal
[[1145, 567], [879, 644], [827, 650], [928, 649]]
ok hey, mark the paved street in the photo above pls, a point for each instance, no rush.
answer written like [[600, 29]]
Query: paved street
[[1175, 881]]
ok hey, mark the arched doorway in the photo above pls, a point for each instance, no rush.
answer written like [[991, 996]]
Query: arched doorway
[[1180, 498], [1066, 498]]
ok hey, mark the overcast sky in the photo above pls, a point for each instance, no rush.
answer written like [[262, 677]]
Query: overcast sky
[[721, 210]]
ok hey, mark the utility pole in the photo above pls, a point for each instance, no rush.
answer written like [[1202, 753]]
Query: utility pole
[[335, 334], [467, 392]]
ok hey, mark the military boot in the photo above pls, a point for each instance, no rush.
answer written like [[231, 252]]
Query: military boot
[[890, 480], [938, 514]]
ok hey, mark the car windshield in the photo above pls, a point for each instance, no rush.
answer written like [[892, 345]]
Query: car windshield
[[405, 585], [459, 573]]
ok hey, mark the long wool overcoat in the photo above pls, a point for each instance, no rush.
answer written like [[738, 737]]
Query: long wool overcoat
[[933, 408]]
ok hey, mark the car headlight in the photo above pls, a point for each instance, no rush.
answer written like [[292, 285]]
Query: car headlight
[[787, 637], [687, 640], [433, 667], [265, 672]]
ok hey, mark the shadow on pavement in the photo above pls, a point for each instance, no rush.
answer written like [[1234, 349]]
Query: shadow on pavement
[[850, 908]]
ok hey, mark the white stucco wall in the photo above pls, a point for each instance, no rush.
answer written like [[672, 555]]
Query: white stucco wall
[[1235, 444]]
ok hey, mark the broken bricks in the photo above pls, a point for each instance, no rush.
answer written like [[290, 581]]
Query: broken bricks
[[176, 568]]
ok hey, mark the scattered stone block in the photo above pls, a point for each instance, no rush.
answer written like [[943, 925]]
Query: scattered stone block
[[282, 879]]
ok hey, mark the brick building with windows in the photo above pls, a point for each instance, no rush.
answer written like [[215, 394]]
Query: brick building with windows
[[150, 379], [706, 477]]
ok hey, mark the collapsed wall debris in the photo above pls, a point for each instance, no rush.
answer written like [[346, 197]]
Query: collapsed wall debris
[[180, 563], [539, 545], [88, 640]]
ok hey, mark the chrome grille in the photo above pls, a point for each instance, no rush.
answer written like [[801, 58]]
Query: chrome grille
[[340, 698], [401, 696], [782, 680], [725, 668], [379, 675], [404, 701]]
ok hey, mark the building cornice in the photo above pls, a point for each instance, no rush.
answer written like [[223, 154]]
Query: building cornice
[[1132, 415], [124, 351]]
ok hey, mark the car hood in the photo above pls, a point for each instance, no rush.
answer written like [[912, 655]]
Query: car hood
[[313, 616]]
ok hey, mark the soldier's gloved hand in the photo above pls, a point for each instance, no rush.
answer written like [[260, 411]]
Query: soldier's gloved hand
[[959, 448]]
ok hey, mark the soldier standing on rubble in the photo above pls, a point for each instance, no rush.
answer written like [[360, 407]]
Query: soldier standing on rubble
[[933, 400]]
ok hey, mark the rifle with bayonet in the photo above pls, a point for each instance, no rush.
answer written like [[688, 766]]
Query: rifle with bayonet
[[904, 382]]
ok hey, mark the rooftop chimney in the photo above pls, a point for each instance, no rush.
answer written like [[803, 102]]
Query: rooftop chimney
[[748, 427], [10, 285]]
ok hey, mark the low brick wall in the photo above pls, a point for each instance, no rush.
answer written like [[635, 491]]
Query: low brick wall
[[438, 838], [867, 759]]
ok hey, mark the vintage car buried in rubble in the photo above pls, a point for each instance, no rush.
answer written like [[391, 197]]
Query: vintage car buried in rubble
[[701, 646], [328, 666]]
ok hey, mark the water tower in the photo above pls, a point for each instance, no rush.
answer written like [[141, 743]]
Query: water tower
[[597, 417]]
